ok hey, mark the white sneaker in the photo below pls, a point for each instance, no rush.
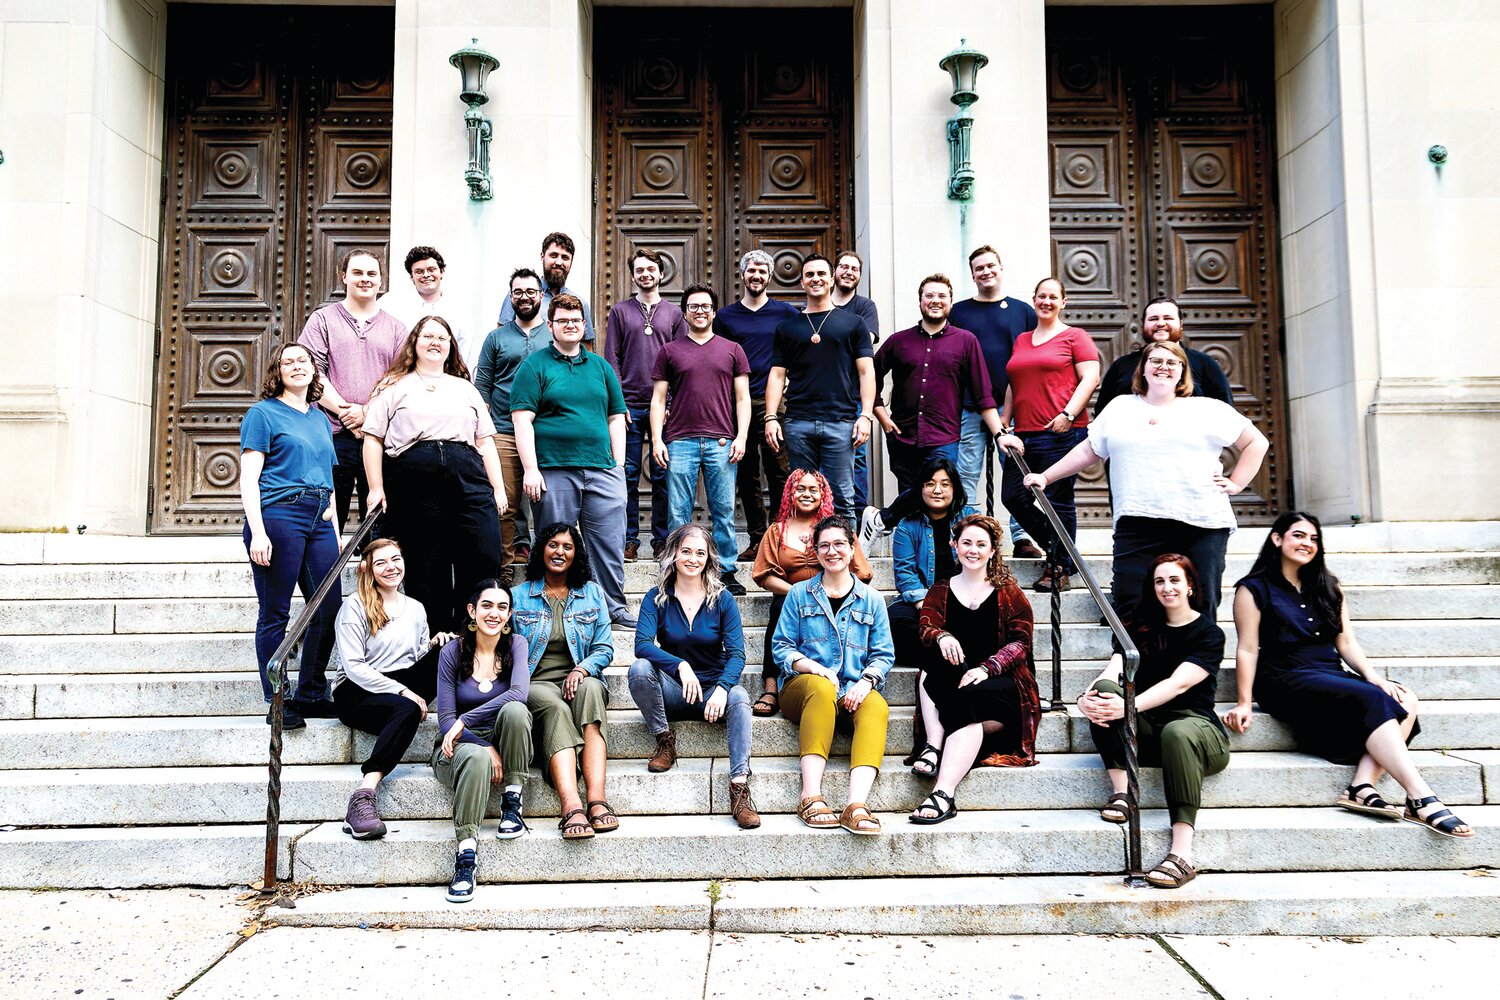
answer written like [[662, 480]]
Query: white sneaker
[[871, 528]]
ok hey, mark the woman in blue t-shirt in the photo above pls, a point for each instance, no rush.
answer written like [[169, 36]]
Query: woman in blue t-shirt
[[286, 479]]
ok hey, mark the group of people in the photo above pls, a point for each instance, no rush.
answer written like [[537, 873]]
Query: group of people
[[459, 464]]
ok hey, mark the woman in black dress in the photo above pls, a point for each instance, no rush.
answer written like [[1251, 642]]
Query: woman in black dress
[[1294, 630], [977, 628]]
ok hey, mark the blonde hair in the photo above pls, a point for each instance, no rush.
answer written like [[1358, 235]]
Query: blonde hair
[[1184, 380], [369, 594], [666, 564]]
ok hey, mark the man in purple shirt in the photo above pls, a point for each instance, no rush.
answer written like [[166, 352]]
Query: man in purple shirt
[[708, 379], [352, 343], [751, 322], [932, 365], [634, 332]]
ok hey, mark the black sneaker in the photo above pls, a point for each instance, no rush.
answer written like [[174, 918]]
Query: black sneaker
[[732, 584], [511, 823], [290, 718], [320, 709], [465, 877]]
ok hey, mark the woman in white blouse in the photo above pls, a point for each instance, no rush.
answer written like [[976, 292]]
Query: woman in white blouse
[[429, 452], [1166, 473]]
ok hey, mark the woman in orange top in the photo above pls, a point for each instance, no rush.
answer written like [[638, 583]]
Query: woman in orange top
[[786, 556]]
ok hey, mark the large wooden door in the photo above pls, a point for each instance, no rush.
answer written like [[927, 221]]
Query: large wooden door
[[277, 162], [1162, 175], [718, 133]]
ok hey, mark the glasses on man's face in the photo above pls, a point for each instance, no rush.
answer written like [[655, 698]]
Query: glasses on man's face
[[568, 324], [700, 307], [525, 293], [1167, 363], [834, 546]]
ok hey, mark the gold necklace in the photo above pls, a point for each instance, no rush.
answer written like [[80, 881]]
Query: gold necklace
[[817, 331], [431, 386]]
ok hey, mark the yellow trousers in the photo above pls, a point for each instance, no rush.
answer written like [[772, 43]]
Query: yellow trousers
[[811, 701]]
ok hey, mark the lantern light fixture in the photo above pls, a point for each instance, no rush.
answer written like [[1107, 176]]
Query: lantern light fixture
[[474, 66], [963, 65]]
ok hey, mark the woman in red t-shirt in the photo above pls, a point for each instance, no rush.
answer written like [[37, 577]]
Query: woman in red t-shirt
[[1053, 371]]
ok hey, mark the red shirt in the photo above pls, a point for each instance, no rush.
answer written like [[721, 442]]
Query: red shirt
[[1043, 379]]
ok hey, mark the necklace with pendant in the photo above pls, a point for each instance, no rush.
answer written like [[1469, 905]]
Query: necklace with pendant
[[647, 314], [432, 385], [817, 331]]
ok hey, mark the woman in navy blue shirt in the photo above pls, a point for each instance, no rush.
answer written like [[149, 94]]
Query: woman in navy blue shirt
[[690, 649], [286, 479]]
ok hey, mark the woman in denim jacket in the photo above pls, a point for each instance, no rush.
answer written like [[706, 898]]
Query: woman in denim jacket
[[833, 648], [562, 615]]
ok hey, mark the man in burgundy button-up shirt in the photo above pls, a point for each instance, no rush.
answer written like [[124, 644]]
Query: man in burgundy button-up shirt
[[931, 365]]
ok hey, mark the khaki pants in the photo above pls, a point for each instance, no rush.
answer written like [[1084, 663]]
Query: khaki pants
[[512, 526], [470, 771]]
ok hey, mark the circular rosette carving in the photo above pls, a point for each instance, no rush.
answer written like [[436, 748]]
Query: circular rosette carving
[[788, 171], [229, 268], [231, 168], [1208, 169], [362, 170], [660, 171], [1211, 266], [786, 267], [226, 368], [1082, 266], [221, 468], [1081, 170]]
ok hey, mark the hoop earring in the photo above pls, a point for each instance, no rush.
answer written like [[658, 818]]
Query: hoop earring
[[473, 626], [505, 629]]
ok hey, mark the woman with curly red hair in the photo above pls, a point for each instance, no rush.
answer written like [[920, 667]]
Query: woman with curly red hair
[[787, 556], [983, 706]]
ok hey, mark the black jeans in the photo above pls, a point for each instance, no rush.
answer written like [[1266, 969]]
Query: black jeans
[[906, 619], [391, 718], [348, 475], [1042, 449], [442, 511], [759, 455], [1139, 540]]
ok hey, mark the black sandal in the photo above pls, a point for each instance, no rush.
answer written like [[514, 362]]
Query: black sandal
[[1441, 822], [944, 813], [1118, 808], [766, 705], [922, 767], [1371, 804]]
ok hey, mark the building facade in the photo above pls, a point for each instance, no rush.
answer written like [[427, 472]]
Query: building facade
[[179, 179]]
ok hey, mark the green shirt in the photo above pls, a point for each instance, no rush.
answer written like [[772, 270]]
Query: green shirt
[[573, 399]]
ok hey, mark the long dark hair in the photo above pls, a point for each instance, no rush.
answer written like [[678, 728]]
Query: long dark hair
[[940, 463], [1318, 585], [578, 574], [1149, 625], [468, 640]]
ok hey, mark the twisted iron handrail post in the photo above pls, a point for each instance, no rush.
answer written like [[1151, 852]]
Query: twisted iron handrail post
[[989, 476], [1132, 657], [278, 677]]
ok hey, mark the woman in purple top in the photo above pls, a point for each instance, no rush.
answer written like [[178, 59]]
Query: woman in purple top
[[483, 680]]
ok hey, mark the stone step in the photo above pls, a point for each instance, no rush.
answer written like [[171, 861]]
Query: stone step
[[974, 843], [1359, 904], [125, 858], [80, 581], [235, 651], [107, 616]]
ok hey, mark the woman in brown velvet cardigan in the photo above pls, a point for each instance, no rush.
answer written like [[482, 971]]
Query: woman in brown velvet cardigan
[[985, 705]]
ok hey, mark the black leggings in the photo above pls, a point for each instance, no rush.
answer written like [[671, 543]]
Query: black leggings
[[391, 718]]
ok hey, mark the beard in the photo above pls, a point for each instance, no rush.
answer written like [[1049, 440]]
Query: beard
[[556, 275], [527, 309], [843, 286]]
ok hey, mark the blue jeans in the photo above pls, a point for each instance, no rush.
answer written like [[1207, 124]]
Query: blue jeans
[[303, 549], [659, 697], [828, 447], [971, 467], [685, 457], [1042, 449], [862, 476], [638, 453]]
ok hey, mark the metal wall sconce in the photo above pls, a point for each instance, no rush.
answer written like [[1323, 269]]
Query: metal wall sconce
[[963, 64], [474, 65]]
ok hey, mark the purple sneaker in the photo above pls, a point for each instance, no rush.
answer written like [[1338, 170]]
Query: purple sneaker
[[362, 822]]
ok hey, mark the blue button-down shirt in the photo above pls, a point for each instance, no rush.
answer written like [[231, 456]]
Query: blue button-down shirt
[[855, 642], [585, 625], [913, 556], [713, 644]]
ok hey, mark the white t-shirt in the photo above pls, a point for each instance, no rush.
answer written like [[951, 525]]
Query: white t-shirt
[[408, 307], [1162, 459]]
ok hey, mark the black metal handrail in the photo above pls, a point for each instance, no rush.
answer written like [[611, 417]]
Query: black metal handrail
[[1131, 654], [277, 670]]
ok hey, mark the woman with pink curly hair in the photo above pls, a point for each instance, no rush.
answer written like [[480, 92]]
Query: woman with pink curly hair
[[786, 556]]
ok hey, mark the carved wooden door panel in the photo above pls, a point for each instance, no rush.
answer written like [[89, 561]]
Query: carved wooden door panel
[[277, 161], [718, 135], [1161, 179]]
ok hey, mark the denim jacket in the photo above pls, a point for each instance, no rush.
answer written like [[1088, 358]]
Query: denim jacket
[[585, 625], [913, 556], [854, 642]]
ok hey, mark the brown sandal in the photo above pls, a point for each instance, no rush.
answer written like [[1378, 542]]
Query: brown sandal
[[814, 812], [766, 705], [605, 822], [1175, 877], [580, 830], [1118, 808], [857, 818]]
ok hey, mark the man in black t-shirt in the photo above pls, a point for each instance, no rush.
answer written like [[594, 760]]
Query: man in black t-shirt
[[823, 359]]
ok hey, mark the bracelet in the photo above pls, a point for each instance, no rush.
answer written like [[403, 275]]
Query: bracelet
[[865, 416], [770, 417]]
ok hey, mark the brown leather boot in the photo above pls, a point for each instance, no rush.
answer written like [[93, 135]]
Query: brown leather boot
[[666, 753], [741, 806]]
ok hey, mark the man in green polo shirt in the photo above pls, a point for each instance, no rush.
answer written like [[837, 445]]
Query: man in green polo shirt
[[569, 417]]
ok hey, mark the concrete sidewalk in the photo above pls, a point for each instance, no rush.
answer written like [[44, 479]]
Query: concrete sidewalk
[[188, 943]]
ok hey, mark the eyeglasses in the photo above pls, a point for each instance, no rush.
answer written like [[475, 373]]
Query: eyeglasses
[[699, 307], [568, 323], [1167, 363], [834, 546], [525, 293]]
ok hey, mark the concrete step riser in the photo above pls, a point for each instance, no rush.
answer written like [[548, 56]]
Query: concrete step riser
[[236, 651], [232, 580], [129, 859], [692, 787], [993, 843]]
